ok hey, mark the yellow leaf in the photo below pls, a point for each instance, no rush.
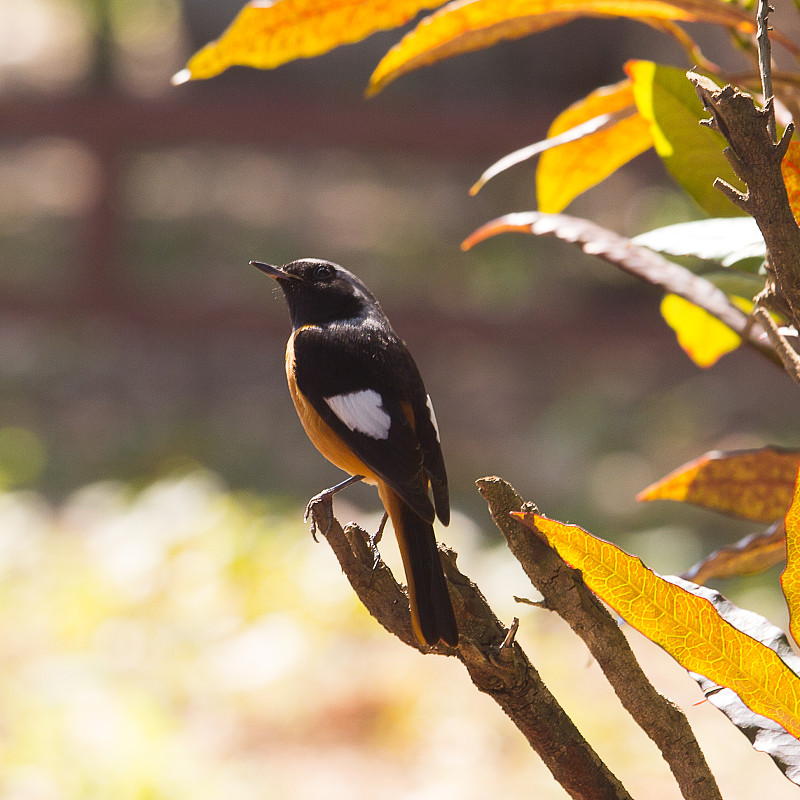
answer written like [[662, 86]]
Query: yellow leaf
[[461, 27], [704, 338], [688, 627], [266, 34], [790, 167], [790, 579], [753, 484], [566, 171]]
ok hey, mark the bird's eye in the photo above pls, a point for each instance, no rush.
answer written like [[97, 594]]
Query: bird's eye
[[323, 271]]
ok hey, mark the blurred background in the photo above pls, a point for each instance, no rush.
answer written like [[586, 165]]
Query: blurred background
[[163, 612]]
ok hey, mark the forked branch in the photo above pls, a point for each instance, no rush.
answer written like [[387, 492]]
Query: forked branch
[[499, 667]]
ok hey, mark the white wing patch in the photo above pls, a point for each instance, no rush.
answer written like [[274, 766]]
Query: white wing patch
[[433, 418], [363, 412]]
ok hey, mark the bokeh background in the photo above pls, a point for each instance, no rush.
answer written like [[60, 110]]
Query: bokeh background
[[167, 627]]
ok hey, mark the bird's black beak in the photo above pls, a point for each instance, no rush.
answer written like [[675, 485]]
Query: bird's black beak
[[274, 272]]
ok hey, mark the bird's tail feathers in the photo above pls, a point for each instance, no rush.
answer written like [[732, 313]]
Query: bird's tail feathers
[[432, 614]]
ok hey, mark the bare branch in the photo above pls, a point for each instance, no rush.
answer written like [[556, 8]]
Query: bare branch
[[496, 663], [565, 593], [757, 160]]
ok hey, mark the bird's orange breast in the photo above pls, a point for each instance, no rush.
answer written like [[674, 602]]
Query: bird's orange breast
[[322, 436]]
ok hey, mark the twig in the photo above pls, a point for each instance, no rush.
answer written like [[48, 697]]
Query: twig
[[787, 354], [765, 64], [567, 595], [512, 633], [495, 662]]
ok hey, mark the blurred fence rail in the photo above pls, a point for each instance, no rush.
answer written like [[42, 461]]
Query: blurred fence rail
[[112, 126]]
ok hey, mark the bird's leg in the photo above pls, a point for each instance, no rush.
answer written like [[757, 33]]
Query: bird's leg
[[379, 533], [374, 539], [326, 497]]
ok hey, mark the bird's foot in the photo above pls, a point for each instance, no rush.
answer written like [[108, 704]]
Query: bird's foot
[[322, 499], [326, 497]]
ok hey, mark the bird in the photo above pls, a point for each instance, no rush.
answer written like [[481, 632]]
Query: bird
[[362, 402]]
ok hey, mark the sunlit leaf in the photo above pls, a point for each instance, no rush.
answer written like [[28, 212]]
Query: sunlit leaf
[[690, 151], [790, 579], [752, 554], [267, 34], [754, 484], [766, 735], [566, 171], [790, 167], [702, 337], [688, 627], [728, 240], [462, 27]]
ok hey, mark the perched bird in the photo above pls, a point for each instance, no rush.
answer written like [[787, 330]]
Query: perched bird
[[362, 402]]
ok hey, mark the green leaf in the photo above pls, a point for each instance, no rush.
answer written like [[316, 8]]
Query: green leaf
[[728, 240], [691, 152], [735, 283]]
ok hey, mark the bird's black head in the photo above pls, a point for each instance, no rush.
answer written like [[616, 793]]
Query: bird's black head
[[320, 291]]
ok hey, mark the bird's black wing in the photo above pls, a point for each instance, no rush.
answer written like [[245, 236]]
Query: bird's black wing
[[358, 377], [428, 436]]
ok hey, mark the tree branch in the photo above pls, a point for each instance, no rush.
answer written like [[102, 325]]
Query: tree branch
[[496, 664], [757, 161], [565, 593]]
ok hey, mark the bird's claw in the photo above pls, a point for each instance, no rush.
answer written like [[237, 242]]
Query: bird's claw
[[326, 499]]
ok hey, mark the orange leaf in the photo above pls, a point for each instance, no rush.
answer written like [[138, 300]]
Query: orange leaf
[[266, 34], [461, 27], [790, 167], [790, 579], [749, 556], [753, 484], [704, 338], [566, 171], [688, 627]]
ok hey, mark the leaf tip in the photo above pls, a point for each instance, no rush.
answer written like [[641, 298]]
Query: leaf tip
[[648, 493], [182, 76], [470, 241]]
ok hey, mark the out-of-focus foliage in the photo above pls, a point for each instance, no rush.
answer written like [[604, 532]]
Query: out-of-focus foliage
[[790, 578], [753, 484], [266, 35], [569, 170], [150, 642], [183, 642], [752, 554], [690, 151], [790, 167], [703, 337]]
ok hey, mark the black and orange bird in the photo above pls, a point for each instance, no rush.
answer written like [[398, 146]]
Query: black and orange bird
[[362, 402]]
